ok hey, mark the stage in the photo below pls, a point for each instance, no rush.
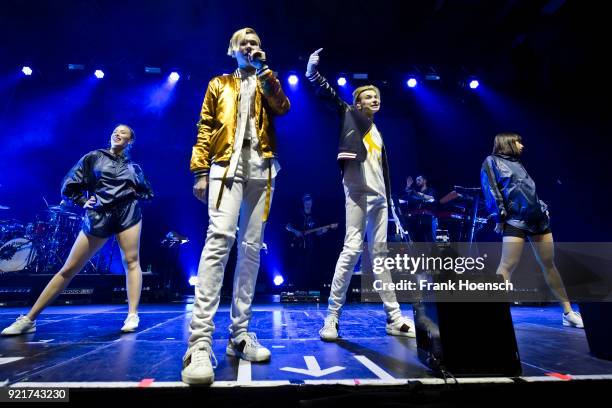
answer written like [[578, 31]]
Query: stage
[[80, 347]]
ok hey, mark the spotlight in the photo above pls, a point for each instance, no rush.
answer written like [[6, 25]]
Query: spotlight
[[99, 74], [153, 70], [27, 71], [174, 76], [193, 280], [342, 81], [278, 280], [474, 84], [293, 79], [412, 82]]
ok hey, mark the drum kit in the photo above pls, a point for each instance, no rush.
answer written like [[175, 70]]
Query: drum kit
[[40, 246], [458, 216]]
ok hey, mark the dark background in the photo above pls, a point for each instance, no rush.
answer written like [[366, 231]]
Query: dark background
[[541, 64]]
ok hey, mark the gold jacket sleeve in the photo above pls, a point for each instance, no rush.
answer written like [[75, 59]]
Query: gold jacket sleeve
[[273, 93], [200, 160]]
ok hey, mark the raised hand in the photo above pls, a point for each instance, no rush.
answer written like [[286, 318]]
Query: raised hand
[[313, 61]]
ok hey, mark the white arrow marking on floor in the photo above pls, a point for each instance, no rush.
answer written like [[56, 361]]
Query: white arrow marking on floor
[[6, 360], [380, 373], [313, 370], [244, 371]]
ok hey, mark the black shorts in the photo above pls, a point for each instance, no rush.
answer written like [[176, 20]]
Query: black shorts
[[511, 231], [106, 222]]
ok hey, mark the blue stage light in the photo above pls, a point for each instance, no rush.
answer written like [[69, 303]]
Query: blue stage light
[[99, 74], [174, 76], [27, 71], [342, 81], [293, 79], [412, 82], [474, 84], [278, 280]]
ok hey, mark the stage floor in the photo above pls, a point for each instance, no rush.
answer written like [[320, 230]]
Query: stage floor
[[80, 346]]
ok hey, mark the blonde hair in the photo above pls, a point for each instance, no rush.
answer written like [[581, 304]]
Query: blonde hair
[[362, 89], [237, 37]]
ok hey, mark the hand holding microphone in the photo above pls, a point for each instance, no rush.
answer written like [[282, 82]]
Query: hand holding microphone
[[257, 58]]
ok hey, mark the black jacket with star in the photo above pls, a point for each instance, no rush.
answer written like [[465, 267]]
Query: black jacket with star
[[354, 128]]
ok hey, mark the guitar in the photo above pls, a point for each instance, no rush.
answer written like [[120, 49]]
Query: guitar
[[302, 234]]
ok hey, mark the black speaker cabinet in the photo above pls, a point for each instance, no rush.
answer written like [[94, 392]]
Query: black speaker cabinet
[[597, 318], [467, 339]]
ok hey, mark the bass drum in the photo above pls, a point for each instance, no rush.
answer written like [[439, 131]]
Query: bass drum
[[16, 255]]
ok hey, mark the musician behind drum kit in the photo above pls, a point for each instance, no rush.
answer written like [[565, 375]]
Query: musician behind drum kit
[[424, 199]]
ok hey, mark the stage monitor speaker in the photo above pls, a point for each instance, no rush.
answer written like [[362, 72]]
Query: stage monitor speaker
[[467, 339], [597, 318]]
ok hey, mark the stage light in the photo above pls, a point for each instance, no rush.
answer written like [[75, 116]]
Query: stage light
[[99, 74], [153, 70], [412, 82], [27, 71], [278, 280], [193, 280], [174, 76], [342, 81], [293, 79], [474, 84]]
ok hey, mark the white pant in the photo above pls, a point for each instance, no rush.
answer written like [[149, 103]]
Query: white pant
[[364, 212], [244, 197]]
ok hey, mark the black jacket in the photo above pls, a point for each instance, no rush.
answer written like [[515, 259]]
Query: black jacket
[[354, 127], [110, 178], [510, 194]]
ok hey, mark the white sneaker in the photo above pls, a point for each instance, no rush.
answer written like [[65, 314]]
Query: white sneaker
[[329, 332], [247, 347], [573, 319], [22, 325], [130, 324], [401, 327], [197, 366]]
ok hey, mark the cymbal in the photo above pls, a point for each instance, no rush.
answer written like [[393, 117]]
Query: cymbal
[[4, 207], [57, 208]]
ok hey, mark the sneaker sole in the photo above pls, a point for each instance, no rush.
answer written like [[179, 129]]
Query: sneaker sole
[[329, 339], [129, 330], [400, 333], [230, 352], [197, 380], [568, 324], [32, 330]]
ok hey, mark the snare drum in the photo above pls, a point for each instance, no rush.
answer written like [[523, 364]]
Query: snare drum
[[16, 254]]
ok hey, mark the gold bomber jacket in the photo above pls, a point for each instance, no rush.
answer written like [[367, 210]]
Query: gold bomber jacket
[[219, 117]]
